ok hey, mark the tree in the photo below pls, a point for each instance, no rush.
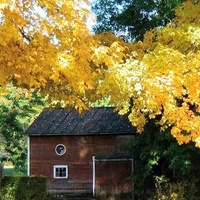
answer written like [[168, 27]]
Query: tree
[[132, 18], [17, 110], [46, 46], [162, 77], [157, 154]]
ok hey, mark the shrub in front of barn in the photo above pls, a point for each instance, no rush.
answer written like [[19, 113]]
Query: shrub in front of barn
[[24, 187]]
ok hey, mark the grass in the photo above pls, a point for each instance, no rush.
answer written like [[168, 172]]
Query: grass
[[10, 170]]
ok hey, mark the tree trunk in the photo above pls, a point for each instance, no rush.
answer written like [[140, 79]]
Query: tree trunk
[[1, 174]]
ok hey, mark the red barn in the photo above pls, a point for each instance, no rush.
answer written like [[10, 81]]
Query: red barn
[[82, 152]]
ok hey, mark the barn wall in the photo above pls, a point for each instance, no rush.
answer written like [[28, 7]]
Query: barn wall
[[78, 157], [113, 177]]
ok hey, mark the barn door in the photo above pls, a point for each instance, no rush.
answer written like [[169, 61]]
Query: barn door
[[112, 176]]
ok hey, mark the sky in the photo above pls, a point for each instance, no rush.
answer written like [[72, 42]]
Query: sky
[[91, 21]]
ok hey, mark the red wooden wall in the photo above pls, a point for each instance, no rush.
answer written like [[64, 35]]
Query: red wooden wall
[[78, 157]]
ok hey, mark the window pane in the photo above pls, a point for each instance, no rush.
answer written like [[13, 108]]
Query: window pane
[[60, 172]]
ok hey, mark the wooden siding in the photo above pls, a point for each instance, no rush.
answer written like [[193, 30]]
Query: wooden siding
[[113, 177], [78, 157]]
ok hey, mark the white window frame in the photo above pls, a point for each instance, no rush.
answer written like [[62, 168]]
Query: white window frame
[[57, 167]]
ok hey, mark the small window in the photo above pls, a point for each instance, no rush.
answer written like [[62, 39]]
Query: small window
[[123, 144], [60, 149], [60, 171]]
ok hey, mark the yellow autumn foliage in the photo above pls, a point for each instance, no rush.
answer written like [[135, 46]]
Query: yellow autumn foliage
[[46, 45], [162, 77]]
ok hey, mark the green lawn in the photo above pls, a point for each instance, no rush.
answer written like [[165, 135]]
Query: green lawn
[[10, 170]]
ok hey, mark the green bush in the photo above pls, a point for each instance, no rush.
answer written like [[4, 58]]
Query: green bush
[[23, 187], [180, 190]]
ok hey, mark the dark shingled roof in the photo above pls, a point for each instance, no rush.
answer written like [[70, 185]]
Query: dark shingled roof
[[70, 122]]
